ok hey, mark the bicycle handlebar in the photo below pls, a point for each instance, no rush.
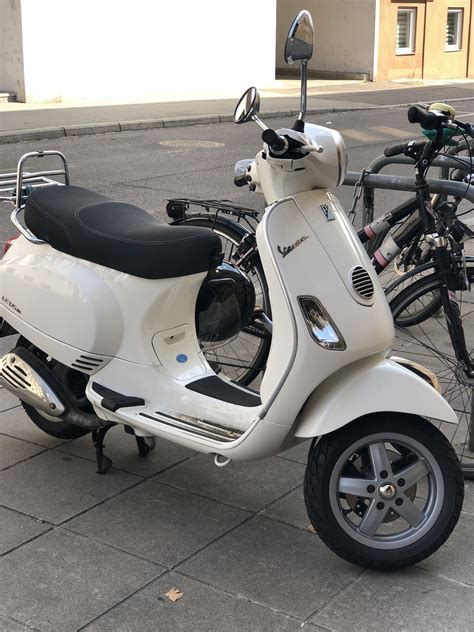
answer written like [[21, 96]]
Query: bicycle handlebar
[[396, 150], [427, 120], [434, 120]]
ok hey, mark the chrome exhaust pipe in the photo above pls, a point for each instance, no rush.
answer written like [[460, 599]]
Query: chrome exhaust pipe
[[22, 380], [27, 377]]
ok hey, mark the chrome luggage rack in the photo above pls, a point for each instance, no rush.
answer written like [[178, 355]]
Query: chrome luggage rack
[[16, 186]]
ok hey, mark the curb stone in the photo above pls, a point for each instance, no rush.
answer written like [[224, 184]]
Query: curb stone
[[46, 133], [90, 128]]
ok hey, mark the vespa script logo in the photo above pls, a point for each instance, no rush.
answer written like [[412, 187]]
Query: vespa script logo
[[11, 305], [287, 249]]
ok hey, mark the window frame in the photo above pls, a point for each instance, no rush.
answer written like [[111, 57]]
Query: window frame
[[410, 49], [459, 23]]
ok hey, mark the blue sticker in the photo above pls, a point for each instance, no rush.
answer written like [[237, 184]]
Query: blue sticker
[[182, 358]]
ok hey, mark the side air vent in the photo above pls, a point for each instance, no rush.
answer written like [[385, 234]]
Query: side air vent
[[362, 283], [87, 364]]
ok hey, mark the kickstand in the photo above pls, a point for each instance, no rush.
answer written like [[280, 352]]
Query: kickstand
[[103, 463], [144, 447]]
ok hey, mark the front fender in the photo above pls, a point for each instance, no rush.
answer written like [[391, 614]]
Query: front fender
[[369, 387]]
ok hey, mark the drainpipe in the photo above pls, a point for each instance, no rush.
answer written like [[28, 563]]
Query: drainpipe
[[469, 37], [424, 42], [375, 60]]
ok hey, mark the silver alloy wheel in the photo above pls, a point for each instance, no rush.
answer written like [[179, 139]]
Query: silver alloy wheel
[[384, 494]]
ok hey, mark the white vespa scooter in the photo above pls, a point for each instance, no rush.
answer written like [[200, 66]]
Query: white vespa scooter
[[104, 299]]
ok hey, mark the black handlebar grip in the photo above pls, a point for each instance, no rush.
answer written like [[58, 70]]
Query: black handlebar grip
[[241, 180], [427, 120], [395, 150], [401, 148], [274, 140]]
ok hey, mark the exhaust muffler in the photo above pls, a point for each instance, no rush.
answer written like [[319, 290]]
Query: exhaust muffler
[[27, 377], [23, 381]]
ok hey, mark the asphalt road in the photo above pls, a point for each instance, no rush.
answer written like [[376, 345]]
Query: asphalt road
[[136, 167]]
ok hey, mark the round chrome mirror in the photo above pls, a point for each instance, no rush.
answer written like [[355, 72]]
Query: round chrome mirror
[[299, 43], [248, 106]]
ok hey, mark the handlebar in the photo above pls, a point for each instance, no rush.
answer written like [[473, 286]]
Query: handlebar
[[401, 148], [427, 120], [434, 120], [278, 144], [241, 180]]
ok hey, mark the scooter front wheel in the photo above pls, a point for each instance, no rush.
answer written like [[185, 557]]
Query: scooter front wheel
[[385, 491]]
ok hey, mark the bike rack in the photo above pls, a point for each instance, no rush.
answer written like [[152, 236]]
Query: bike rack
[[370, 179], [407, 183]]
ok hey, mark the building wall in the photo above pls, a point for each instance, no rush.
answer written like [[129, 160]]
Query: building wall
[[11, 49], [344, 33], [430, 60], [114, 50], [438, 63]]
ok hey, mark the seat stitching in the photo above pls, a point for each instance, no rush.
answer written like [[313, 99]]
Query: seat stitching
[[52, 218], [132, 241]]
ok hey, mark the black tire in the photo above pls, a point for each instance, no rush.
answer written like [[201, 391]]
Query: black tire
[[229, 358], [376, 551], [427, 342], [58, 428]]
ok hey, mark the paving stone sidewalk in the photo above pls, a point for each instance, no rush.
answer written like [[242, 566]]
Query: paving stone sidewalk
[[84, 551]]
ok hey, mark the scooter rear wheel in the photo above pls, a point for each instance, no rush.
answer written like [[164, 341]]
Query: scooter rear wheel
[[385, 491]]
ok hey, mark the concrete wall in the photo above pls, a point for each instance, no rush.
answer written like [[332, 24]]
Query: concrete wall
[[11, 50], [344, 33], [123, 50]]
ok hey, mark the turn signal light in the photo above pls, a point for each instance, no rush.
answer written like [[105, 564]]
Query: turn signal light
[[320, 325]]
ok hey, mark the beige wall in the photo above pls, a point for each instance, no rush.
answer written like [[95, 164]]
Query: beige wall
[[11, 49], [430, 60], [438, 63], [391, 65], [344, 33]]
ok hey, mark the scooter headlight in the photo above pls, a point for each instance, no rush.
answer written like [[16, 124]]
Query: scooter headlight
[[320, 325]]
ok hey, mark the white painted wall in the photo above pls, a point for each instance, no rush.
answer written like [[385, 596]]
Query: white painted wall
[[11, 53], [134, 50], [344, 33]]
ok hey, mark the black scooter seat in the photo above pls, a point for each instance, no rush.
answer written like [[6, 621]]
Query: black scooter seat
[[117, 235]]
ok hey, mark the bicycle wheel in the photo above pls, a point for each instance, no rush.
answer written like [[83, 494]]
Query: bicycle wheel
[[244, 358], [428, 343]]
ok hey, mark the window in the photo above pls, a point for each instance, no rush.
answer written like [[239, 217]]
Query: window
[[406, 25], [454, 29]]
